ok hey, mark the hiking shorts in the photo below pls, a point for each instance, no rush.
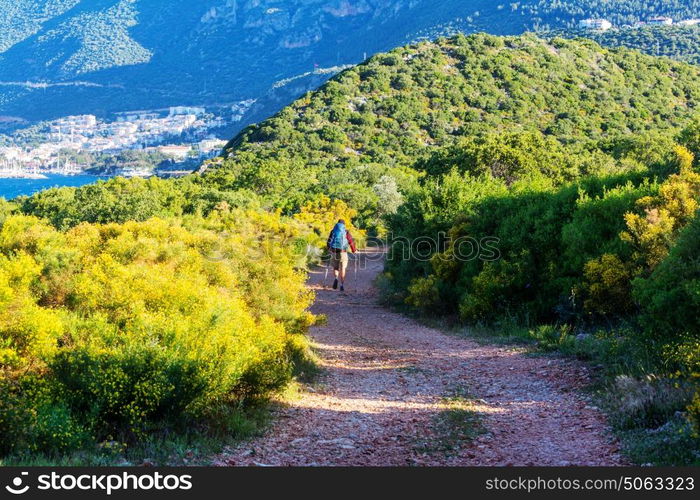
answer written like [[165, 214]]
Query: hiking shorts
[[339, 260]]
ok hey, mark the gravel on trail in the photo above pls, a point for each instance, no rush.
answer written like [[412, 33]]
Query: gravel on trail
[[386, 380]]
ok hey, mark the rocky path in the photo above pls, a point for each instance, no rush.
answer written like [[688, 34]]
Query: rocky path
[[388, 386]]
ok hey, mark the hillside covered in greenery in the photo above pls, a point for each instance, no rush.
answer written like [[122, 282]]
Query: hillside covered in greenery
[[572, 167], [576, 101], [548, 188], [678, 42]]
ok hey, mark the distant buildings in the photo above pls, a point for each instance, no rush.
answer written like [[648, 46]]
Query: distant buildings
[[595, 24], [186, 110], [132, 116], [11, 153], [122, 129], [81, 121], [180, 132], [176, 151], [667, 21], [210, 147], [660, 21]]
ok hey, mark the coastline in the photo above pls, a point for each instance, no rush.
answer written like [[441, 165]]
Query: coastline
[[21, 175], [12, 187]]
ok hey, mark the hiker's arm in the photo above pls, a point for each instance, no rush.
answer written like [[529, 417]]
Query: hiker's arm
[[328, 241], [351, 241]]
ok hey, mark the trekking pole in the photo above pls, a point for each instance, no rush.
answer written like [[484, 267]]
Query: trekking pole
[[354, 279], [325, 279]]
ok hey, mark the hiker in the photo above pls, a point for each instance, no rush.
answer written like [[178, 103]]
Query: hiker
[[338, 242]]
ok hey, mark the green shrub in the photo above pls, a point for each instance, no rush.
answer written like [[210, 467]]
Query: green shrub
[[15, 412], [127, 391], [552, 338], [694, 413], [608, 286], [56, 429], [670, 297], [33, 417], [647, 402]]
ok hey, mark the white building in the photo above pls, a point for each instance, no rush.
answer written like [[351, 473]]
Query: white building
[[133, 116], [186, 110], [82, 121], [595, 24], [660, 21], [208, 146], [101, 144], [176, 151], [183, 120], [689, 22], [43, 152], [121, 129], [11, 153]]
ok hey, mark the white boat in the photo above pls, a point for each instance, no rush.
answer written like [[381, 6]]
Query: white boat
[[17, 173], [13, 170], [133, 172]]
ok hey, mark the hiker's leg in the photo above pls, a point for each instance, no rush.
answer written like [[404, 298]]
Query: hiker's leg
[[336, 264], [335, 260], [343, 266]]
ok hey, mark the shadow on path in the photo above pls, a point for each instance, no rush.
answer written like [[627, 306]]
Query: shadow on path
[[384, 383]]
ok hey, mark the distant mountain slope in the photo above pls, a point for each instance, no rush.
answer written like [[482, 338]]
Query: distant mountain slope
[[551, 13], [146, 54], [679, 42], [400, 103]]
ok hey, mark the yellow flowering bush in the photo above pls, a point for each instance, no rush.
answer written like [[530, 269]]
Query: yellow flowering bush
[[608, 285], [116, 329], [650, 234]]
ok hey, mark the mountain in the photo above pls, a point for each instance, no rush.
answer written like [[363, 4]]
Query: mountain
[[570, 107], [383, 116], [60, 57]]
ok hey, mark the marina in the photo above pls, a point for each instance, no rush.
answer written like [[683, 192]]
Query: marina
[[26, 185]]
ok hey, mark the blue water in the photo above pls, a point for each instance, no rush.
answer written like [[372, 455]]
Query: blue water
[[11, 188]]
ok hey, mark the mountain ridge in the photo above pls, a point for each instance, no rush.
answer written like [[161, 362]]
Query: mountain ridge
[[162, 53]]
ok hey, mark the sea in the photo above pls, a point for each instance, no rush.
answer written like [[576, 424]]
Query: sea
[[11, 188]]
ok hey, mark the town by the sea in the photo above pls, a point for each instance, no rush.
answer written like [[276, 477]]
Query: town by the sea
[[13, 187]]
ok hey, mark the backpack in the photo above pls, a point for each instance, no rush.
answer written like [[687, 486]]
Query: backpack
[[339, 240]]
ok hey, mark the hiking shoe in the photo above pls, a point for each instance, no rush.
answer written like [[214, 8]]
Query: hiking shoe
[[342, 288], [335, 285]]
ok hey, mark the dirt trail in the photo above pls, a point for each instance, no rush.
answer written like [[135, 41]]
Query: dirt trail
[[384, 382]]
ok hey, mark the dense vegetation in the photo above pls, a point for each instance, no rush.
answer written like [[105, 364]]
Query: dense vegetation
[[600, 267], [112, 331], [679, 42], [136, 308], [372, 122], [619, 12], [572, 167]]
